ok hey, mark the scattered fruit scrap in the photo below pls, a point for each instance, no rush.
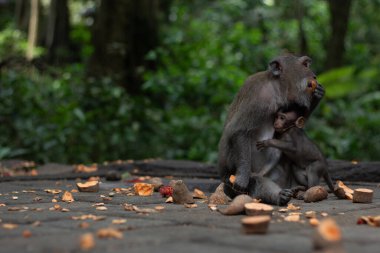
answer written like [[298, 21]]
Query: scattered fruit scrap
[[212, 207], [292, 207], [89, 186], [315, 194], [347, 191], [256, 224], [159, 208], [143, 189], [314, 222], [26, 233], [166, 191], [53, 191], [67, 197], [310, 214], [237, 205], [109, 233], [362, 195], [101, 208], [373, 221], [169, 200], [327, 237], [80, 168], [191, 205], [256, 209], [10, 226], [293, 217], [130, 207], [87, 241], [198, 194], [119, 221], [89, 217]]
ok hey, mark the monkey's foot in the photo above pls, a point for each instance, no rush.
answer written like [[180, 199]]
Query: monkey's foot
[[285, 196], [241, 184], [231, 191], [300, 195]]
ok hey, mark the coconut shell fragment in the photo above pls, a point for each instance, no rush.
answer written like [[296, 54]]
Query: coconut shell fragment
[[257, 209], [89, 186], [315, 194], [181, 194], [237, 205], [362, 195], [327, 236], [67, 197], [256, 224], [373, 221], [219, 197], [348, 192]]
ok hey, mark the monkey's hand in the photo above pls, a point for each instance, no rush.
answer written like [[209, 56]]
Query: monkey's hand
[[241, 183], [261, 145], [284, 196], [319, 92]]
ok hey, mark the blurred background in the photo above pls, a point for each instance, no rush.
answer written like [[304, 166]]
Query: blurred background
[[91, 80]]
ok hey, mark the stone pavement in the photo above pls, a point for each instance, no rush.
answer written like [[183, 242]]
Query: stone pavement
[[174, 229]]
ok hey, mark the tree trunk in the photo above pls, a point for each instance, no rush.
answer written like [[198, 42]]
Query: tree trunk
[[57, 35], [33, 29], [339, 17], [300, 13], [22, 14], [124, 32]]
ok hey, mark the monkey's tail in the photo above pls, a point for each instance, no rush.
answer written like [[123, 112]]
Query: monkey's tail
[[329, 182]]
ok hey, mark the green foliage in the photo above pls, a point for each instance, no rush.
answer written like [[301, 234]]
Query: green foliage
[[208, 49], [66, 119], [346, 125]]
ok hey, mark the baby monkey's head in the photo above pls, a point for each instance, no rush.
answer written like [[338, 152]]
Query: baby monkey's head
[[289, 116]]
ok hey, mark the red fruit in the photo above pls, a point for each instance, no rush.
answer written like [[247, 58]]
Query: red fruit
[[166, 191]]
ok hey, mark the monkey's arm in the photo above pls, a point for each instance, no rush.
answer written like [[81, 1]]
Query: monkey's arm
[[317, 96], [287, 146], [242, 148]]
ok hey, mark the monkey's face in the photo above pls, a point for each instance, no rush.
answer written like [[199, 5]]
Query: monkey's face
[[283, 121], [296, 77]]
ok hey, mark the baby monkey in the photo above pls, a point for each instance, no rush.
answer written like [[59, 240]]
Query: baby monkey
[[308, 162]]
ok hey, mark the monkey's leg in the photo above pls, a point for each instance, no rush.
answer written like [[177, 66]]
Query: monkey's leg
[[268, 191], [314, 172], [300, 176]]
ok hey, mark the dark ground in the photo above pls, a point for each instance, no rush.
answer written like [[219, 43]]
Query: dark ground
[[175, 229]]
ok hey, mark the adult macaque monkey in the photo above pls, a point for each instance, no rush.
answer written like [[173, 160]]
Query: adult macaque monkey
[[288, 79], [308, 162]]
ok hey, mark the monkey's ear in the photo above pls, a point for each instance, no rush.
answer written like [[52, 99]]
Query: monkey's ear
[[275, 68], [300, 122], [305, 61]]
